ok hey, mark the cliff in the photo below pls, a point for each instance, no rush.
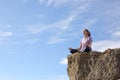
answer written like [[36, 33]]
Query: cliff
[[94, 65]]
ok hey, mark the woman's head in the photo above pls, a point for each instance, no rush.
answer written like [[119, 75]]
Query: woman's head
[[86, 32]]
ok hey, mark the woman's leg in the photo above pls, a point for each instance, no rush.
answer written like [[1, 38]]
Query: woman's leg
[[88, 49], [73, 51]]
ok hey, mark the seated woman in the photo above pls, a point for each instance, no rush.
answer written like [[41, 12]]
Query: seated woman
[[85, 44]]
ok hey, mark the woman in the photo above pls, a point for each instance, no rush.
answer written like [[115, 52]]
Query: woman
[[85, 44]]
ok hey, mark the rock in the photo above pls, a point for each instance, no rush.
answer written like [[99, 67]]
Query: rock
[[94, 65]]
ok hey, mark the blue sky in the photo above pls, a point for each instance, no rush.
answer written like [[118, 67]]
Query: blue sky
[[35, 34]]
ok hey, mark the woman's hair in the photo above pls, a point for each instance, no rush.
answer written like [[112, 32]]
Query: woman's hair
[[88, 32]]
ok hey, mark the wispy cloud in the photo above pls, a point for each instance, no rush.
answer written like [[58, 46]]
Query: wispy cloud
[[114, 30], [54, 40], [110, 17], [36, 28], [60, 26], [89, 23], [64, 61], [73, 3], [105, 44], [57, 2], [60, 3], [112, 11], [63, 25], [116, 34], [5, 34]]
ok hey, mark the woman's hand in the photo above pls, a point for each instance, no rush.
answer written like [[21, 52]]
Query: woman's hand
[[88, 44]]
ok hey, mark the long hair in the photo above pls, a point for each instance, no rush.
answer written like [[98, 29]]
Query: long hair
[[88, 32]]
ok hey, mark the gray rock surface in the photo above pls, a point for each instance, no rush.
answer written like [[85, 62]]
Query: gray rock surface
[[94, 65]]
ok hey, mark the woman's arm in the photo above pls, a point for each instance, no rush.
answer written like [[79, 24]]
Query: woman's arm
[[89, 42], [79, 47]]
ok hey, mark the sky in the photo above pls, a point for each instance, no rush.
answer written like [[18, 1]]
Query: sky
[[35, 34]]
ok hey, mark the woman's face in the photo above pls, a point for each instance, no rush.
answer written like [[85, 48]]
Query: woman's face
[[85, 33]]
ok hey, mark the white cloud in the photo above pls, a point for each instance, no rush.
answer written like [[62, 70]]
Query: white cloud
[[114, 30], [109, 14], [71, 3], [60, 3], [60, 26], [37, 28], [81, 7], [64, 61], [56, 2], [6, 34], [105, 44], [54, 40], [113, 10], [90, 22], [63, 24], [116, 34]]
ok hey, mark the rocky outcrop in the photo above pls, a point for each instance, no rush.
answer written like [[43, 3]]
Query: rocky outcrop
[[94, 65]]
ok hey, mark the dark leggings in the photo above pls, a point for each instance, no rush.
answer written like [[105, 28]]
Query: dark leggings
[[74, 51], [88, 49]]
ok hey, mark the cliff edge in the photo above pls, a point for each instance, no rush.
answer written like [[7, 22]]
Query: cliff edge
[[94, 65]]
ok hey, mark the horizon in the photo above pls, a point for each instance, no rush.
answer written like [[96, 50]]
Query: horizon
[[35, 34]]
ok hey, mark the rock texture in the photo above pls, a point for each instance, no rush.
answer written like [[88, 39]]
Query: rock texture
[[94, 65]]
